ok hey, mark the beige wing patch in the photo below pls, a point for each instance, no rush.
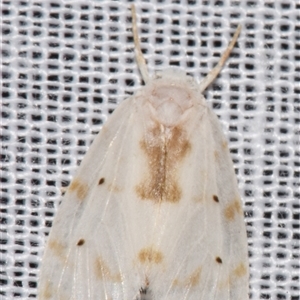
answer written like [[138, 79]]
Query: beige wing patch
[[103, 271], [191, 280], [165, 151], [79, 187], [233, 209], [58, 249], [235, 274], [240, 270], [150, 256], [46, 292]]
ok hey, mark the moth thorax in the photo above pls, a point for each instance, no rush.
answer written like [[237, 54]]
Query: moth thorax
[[170, 103]]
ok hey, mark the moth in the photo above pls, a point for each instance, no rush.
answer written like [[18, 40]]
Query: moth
[[154, 212]]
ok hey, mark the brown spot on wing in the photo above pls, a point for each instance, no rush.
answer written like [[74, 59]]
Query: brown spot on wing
[[233, 278], [165, 149], [240, 270], [46, 292], [232, 209], [216, 155], [150, 256], [197, 199], [103, 272], [224, 144], [194, 279], [114, 188], [57, 248], [191, 280], [79, 187]]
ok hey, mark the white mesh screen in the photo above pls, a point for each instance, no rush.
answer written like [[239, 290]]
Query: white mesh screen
[[67, 64]]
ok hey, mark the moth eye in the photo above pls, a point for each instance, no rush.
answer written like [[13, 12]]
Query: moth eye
[[101, 181], [219, 260], [80, 242], [216, 199]]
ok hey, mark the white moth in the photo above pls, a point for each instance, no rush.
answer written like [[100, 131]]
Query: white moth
[[154, 211]]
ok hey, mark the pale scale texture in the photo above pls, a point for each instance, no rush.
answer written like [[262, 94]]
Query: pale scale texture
[[66, 65]]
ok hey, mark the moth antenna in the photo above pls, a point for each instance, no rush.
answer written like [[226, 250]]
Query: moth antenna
[[137, 47], [211, 76]]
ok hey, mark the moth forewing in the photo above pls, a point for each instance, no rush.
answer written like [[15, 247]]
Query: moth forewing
[[154, 210]]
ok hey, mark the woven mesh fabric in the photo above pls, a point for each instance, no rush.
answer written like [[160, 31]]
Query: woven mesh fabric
[[67, 64]]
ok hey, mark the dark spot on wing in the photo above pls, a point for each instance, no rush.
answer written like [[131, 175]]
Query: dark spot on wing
[[80, 242], [101, 181], [216, 199], [219, 260], [145, 292]]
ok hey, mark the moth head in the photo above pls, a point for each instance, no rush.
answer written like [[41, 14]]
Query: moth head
[[171, 95]]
